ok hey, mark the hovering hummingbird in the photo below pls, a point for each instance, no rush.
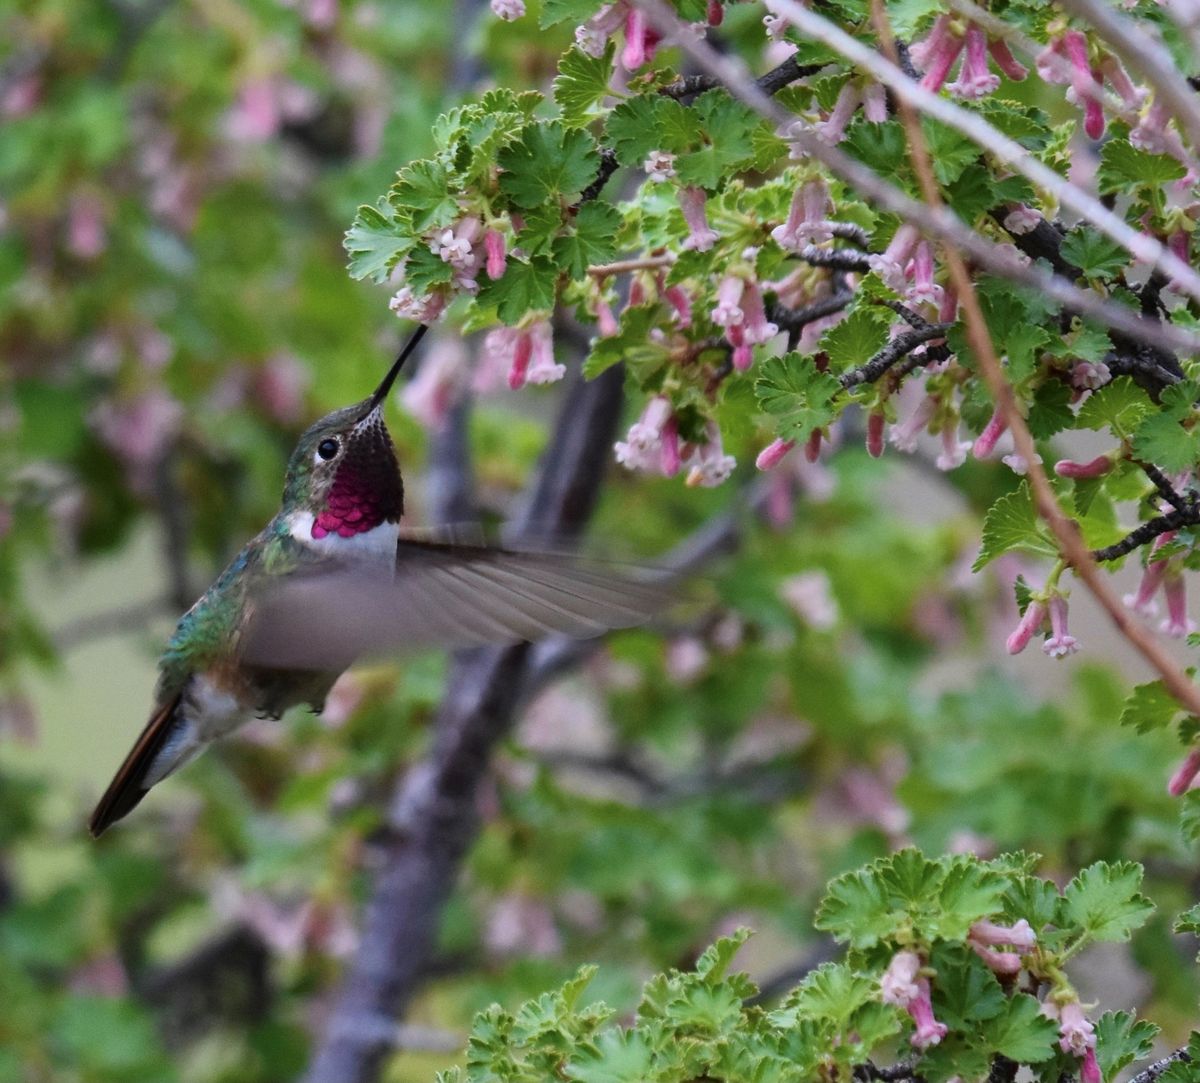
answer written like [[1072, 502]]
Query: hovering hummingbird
[[331, 579]]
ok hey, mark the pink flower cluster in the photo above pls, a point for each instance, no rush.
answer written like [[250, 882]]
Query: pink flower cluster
[[1165, 575], [469, 247], [525, 353], [807, 221], [904, 986], [1076, 1036], [641, 39], [1060, 642], [1085, 78], [741, 312], [939, 52], [653, 445]]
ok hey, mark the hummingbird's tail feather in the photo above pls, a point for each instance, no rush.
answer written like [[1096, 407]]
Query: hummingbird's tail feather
[[134, 777]]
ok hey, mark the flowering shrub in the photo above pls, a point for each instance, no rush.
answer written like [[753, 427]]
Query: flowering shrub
[[742, 282], [960, 964]]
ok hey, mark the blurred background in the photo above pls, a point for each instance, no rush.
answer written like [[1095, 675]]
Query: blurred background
[[175, 180]]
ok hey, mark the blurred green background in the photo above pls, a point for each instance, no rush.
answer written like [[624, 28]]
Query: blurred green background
[[175, 180]]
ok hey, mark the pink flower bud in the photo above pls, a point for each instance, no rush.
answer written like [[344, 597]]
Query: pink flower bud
[[1005, 61], [773, 453], [497, 262], [1185, 774], [1020, 935], [671, 460], [1030, 624], [1084, 82], [1004, 963], [812, 446], [522, 352], [1095, 468], [1089, 1068], [876, 423], [640, 40], [678, 299], [715, 13], [985, 442]]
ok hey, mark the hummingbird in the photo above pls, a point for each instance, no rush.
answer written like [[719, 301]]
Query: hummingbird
[[333, 578]]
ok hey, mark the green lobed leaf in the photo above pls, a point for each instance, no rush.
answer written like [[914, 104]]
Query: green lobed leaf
[[374, 243], [1161, 438], [582, 81], [560, 11], [857, 909], [801, 398], [1020, 1032], [1096, 255], [1121, 1038], [1189, 817], [424, 194], [590, 239], [1012, 525], [1149, 707], [1122, 164], [615, 1056], [525, 287], [857, 338], [1119, 405], [549, 162], [1104, 901]]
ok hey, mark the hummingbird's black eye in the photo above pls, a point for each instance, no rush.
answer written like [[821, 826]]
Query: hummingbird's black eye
[[327, 449]]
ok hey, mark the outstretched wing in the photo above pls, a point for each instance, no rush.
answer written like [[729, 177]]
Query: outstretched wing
[[439, 594]]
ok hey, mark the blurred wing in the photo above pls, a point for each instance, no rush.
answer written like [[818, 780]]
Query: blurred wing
[[440, 595]]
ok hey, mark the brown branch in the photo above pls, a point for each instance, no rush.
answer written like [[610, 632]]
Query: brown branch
[[898, 348], [1151, 1073], [1065, 530]]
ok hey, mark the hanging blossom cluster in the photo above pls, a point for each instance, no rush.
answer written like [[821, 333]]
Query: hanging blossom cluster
[[653, 446]]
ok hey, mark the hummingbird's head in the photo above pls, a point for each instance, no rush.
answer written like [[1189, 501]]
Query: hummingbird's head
[[344, 470]]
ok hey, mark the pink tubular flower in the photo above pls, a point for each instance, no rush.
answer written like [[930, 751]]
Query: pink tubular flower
[[1076, 1034], [875, 103], [606, 321], [1097, 467], [431, 393], [1089, 1069], [1084, 83], [904, 435], [833, 128], [497, 260], [701, 236], [710, 465], [1089, 375], [938, 54], [643, 447], [1176, 623], [1152, 134], [659, 166], [641, 40], [1061, 643], [773, 454], [1005, 61], [924, 290], [1019, 935], [756, 329], [593, 35], [998, 962], [87, 226], [876, 422], [985, 442], [974, 80], [1142, 600], [898, 985], [954, 451], [1021, 220], [542, 366], [890, 264], [1029, 625], [806, 222], [508, 10], [678, 299], [1185, 774], [728, 310]]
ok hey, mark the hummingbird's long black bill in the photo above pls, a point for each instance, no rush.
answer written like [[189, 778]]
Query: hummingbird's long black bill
[[386, 385]]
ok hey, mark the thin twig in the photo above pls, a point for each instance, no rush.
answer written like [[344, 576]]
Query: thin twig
[[1165, 489], [938, 222], [1151, 1073], [841, 259], [620, 267], [899, 347], [1148, 531], [791, 319], [1005, 150], [1065, 530]]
